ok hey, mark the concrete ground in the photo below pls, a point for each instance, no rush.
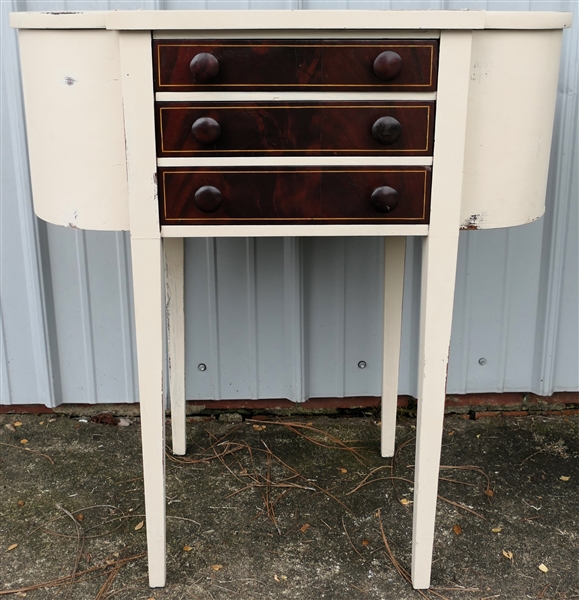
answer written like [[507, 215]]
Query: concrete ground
[[264, 510]]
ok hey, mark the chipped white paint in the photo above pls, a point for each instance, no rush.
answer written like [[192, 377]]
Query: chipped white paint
[[509, 127], [394, 256], [175, 307], [148, 271], [74, 119], [439, 254]]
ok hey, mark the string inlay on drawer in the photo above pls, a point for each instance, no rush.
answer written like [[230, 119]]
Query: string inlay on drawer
[[221, 131], [289, 128], [313, 65], [284, 195]]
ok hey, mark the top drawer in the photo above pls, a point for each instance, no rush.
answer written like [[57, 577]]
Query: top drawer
[[295, 65]]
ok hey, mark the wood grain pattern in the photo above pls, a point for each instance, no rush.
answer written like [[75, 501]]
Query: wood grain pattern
[[329, 65], [292, 128], [286, 195]]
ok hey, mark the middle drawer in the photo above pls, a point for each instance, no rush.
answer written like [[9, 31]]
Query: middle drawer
[[293, 128]]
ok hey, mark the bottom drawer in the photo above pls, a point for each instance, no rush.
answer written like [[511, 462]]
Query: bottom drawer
[[286, 195]]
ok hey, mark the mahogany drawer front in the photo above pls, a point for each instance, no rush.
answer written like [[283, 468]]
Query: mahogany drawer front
[[313, 65], [292, 195], [289, 129]]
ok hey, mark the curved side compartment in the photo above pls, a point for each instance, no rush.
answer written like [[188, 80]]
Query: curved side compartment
[[510, 120], [74, 119]]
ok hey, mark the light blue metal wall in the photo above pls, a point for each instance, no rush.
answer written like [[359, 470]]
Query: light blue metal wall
[[284, 317]]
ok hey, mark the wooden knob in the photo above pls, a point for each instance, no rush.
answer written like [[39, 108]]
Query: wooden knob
[[208, 198], [205, 130], [388, 65], [384, 199], [204, 67], [386, 130]]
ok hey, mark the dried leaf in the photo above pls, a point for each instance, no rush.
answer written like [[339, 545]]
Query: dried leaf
[[10, 427], [342, 470], [489, 492], [139, 525], [21, 594], [451, 433], [187, 548], [104, 419], [21, 503], [497, 529], [305, 527], [17, 424], [217, 567], [80, 517], [41, 423], [405, 502], [258, 427], [564, 478], [365, 542], [543, 568], [280, 578], [11, 547], [457, 529], [508, 554], [24, 441]]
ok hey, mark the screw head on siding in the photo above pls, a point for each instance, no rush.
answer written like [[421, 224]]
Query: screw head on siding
[[482, 361], [362, 364], [202, 366]]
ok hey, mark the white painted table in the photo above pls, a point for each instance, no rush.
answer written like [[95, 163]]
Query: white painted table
[[90, 110]]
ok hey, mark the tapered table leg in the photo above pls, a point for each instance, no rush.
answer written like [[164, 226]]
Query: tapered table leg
[[150, 332], [439, 253], [438, 275], [175, 307], [394, 256]]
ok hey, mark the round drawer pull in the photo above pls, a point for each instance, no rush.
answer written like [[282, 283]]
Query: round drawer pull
[[204, 67], [386, 130], [206, 130], [208, 198], [388, 65], [384, 199]]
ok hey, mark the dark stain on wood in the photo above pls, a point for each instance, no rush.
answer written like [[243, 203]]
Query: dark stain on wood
[[294, 195], [291, 128], [283, 65]]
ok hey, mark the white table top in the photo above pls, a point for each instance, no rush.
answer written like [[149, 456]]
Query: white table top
[[287, 19]]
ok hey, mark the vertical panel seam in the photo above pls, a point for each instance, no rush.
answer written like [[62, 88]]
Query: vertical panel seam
[[5, 388], [252, 324], [213, 292], [86, 316], [28, 228], [558, 232]]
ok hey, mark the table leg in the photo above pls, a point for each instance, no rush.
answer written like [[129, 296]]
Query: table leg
[[175, 306], [438, 278], [150, 333], [394, 256]]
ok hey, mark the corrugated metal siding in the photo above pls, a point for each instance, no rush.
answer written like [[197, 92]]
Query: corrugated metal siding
[[284, 318]]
